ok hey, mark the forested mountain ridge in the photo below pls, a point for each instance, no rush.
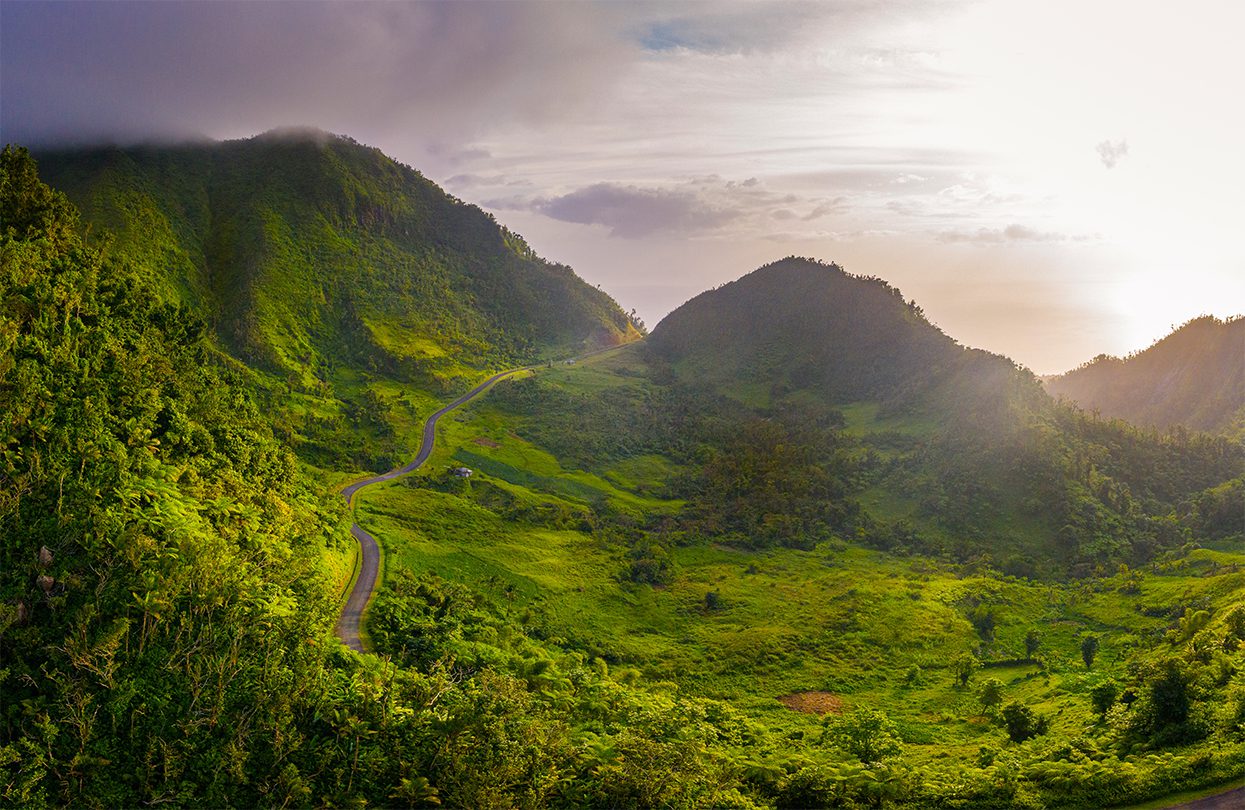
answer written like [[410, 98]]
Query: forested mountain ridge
[[961, 450], [306, 251], [355, 293], [627, 604], [806, 324], [1194, 377], [166, 617]]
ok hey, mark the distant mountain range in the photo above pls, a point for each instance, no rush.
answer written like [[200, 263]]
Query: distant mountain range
[[1193, 377]]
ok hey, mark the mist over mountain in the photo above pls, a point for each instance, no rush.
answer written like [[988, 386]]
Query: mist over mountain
[[303, 249], [1193, 377]]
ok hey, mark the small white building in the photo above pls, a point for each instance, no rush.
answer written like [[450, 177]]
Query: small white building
[[461, 472]]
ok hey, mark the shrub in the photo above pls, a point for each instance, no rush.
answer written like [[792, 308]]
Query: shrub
[[1022, 723], [867, 734]]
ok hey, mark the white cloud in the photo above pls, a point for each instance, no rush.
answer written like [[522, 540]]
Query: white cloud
[[1112, 153]]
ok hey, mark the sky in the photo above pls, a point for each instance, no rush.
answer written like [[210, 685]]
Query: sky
[[1049, 181]]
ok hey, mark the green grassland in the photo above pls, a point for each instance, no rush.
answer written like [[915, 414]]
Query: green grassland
[[875, 630]]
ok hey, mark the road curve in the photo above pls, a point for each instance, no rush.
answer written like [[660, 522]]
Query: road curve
[[369, 567]]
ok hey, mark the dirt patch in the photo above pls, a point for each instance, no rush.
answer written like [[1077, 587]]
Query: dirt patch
[[813, 702], [483, 442]]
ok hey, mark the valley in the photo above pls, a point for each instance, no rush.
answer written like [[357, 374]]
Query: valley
[[796, 547], [872, 630]]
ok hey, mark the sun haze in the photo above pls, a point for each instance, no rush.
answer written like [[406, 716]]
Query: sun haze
[[1050, 181]]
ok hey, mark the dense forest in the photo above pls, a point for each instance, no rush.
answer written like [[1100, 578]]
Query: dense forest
[[322, 265], [987, 463], [1194, 377], [667, 584]]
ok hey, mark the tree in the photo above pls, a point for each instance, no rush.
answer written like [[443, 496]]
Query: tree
[[963, 668], [983, 621], [1236, 630], [1022, 723], [1167, 699], [1236, 623], [867, 734], [1104, 695], [1033, 640], [1089, 649], [990, 693]]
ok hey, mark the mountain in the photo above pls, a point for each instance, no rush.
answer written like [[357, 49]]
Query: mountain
[[307, 251], [802, 325], [957, 451], [1193, 377], [653, 592]]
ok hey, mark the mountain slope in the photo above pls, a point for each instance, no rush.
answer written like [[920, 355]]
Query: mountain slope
[[306, 251], [960, 451], [1193, 377], [805, 325]]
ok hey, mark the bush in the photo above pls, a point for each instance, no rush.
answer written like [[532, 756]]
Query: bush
[[1022, 723], [1103, 696], [867, 734]]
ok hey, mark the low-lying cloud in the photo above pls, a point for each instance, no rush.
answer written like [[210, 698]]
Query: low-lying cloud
[[631, 212], [697, 206]]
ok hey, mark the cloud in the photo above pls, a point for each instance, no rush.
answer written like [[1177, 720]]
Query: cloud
[[1112, 153], [631, 212], [751, 27], [441, 73], [838, 205], [1011, 233], [475, 181], [696, 206]]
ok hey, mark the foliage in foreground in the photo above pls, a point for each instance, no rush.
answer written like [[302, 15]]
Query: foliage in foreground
[[165, 632]]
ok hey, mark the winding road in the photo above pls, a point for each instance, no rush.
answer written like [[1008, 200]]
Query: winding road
[[365, 585], [369, 568]]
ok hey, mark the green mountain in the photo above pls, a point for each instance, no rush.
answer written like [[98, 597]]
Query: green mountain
[[336, 276], [1194, 377], [306, 250], [959, 451], [662, 587], [801, 324]]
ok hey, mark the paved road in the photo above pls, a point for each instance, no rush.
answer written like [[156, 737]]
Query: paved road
[[1232, 800], [369, 568], [352, 614]]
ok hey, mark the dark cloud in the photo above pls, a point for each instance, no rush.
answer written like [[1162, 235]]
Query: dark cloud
[[1111, 153], [433, 72], [631, 212], [697, 206]]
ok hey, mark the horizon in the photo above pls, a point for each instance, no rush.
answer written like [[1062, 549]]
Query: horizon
[[1049, 204]]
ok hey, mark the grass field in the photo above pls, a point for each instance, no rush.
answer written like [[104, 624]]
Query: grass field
[[839, 619]]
